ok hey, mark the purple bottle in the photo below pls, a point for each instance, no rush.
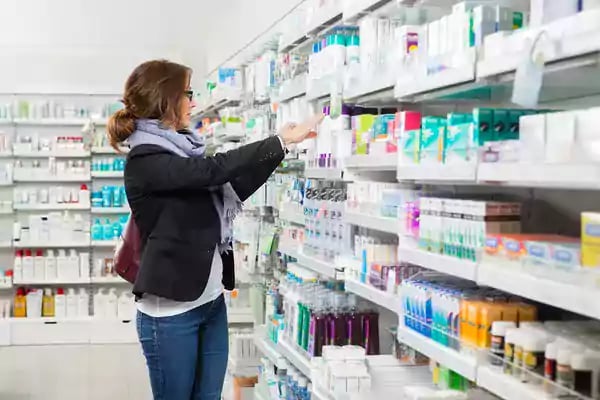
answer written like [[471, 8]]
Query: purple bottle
[[354, 323], [317, 333], [371, 332]]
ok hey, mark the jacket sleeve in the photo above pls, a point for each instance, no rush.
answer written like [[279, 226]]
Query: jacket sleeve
[[249, 182], [165, 172]]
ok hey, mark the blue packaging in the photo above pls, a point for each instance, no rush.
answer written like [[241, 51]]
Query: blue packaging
[[96, 199], [117, 229], [106, 196], [107, 230], [97, 232], [116, 196]]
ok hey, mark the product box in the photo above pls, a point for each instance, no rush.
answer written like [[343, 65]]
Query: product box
[[560, 137], [532, 138], [431, 141], [546, 11], [483, 123], [587, 138], [362, 126], [566, 256], [504, 18], [484, 23], [500, 124], [590, 239], [410, 147]]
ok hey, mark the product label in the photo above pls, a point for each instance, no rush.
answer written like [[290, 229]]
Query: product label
[[592, 230]]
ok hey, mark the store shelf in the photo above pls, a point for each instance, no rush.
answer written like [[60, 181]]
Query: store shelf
[[104, 243], [6, 154], [293, 88], [441, 173], [240, 315], [59, 244], [33, 282], [506, 386], [51, 122], [26, 176], [460, 69], [576, 298], [354, 9], [381, 298], [7, 244], [324, 173], [110, 210], [222, 96], [108, 174], [108, 280], [107, 150], [49, 331], [51, 207], [376, 223], [437, 262], [464, 364], [266, 346], [292, 213], [111, 331], [377, 162], [294, 356], [4, 184], [376, 87], [53, 153], [5, 325], [322, 18], [567, 176], [324, 268]]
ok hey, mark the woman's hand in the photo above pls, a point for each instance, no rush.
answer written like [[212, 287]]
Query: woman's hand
[[295, 133]]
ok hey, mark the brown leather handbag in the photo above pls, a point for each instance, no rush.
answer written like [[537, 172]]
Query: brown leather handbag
[[127, 252]]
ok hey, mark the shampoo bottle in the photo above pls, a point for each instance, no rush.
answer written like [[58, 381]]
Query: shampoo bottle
[[125, 307], [39, 266], [62, 265], [73, 262], [18, 266], [72, 303], [100, 304], [28, 272], [107, 230], [48, 303], [20, 304], [50, 267], [84, 265], [60, 303], [97, 233], [83, 303], [111, 303]]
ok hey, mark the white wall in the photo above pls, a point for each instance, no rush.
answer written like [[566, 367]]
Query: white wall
[[82, 46], [234, 23]]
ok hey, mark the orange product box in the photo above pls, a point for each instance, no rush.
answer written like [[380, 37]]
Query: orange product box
[[510, 312], [488, 313], [527, 312]]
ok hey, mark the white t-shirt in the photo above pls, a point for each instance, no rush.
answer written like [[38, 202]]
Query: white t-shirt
[[155, 306]]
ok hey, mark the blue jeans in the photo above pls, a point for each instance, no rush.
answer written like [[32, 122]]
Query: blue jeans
[[186, 353]]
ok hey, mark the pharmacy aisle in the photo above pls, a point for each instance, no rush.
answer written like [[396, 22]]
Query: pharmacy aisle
[[447, 203]]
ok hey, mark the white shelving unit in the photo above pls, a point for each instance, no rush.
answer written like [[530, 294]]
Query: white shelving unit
[[384, 162], [110, 210], [325, 268], [448, 265], [108, 174], [376, 223], [383, 299], [52, 207]]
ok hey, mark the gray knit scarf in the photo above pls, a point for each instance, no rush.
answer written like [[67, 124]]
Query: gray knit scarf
[[189, 144]]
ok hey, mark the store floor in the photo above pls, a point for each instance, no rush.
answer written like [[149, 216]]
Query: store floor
[[73, 372]]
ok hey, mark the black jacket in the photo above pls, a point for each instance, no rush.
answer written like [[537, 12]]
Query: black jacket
[[176, 217]]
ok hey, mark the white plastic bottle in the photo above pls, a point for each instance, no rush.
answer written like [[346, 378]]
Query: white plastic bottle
[[50, 267], [112, 303], [28, 273], [39, 266], [84, 195], [83, 303], [72, 303], [73, 262], [125, 309], [100, 304], [60, 304], [84, 265], [18, 266], [62, 266]]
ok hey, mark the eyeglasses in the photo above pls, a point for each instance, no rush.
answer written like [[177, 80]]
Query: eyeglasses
[[189, 94]]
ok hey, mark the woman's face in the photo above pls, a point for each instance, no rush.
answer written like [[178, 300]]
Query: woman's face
[[186, 106]]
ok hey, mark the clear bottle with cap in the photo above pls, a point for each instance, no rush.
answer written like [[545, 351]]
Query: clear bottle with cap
[[282, 369], [534, 346], [498, 334]]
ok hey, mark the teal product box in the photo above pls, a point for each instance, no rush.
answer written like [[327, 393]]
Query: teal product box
[[500, 124], [409, 147], [513, 124], [459, 146], [483, 124], [432, 139]]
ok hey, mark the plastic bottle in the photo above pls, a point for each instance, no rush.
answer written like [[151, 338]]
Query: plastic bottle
[[583, 367], [84, 265], [20, 304], [355, 328], [124, 307], [316, 333], [112, 303], [28, 271], [39, 266], [97, 231], [302, 392], [107, 230], [282, 369], [106, 196], [50, 272], [18, 266], [73, 262], [60, 303], [100, 304], [116, 197], [72, 303], [83, 303], [353, 50], [48, 303], [564, 372], [34, 303], [84, 195]]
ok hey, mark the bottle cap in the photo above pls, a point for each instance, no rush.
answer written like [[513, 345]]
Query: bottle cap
[[83, 187], [499, 328], [60, 291], [39, 253], [27, 253]]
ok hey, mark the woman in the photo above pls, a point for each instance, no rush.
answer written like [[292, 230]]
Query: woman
[[183, 204]]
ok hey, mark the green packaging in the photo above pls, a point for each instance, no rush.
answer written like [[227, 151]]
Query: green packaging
[[500, 124], [482, 120], [362, 126], [432, 138], [517, 20], [410, 146], [513, 124]]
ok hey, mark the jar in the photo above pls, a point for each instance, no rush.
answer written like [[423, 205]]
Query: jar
[[498, 334]]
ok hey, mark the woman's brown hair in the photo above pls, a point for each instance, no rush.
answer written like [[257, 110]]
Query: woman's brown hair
[[154, 90]]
